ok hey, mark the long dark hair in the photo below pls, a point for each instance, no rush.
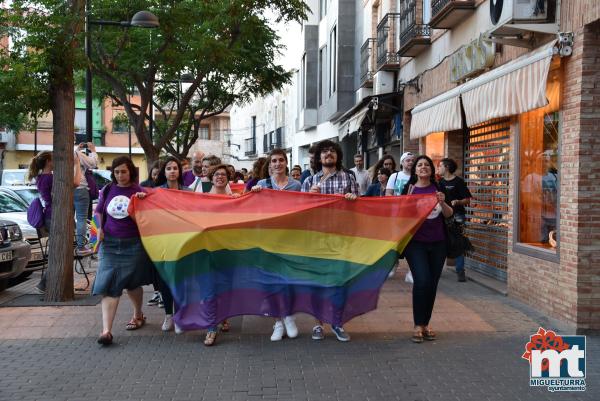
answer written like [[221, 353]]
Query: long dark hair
[[162, 177], [133, 173], [38, 163], [324, 145], [379, 165], [413, 174]]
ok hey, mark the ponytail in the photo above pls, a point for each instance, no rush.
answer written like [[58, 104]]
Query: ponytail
[[38, 163]]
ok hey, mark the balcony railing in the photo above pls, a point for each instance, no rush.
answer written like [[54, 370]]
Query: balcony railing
[[367, 62], [387, 42], [414, 36], [276, 139], [448, 13], [250, 146]]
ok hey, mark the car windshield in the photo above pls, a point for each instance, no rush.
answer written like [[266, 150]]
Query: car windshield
[[28, 194], [10, 205], [13, 178]]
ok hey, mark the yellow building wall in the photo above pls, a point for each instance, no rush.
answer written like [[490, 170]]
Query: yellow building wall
[[13, 159]]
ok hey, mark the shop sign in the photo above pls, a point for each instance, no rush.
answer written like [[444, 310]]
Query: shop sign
[[471, 59]]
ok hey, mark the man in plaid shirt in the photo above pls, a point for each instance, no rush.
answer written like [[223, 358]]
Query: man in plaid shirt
[[330, 178]]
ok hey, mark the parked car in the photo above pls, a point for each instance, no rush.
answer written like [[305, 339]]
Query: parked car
[[14, 252], [14, 177], [11, 177], [25, 193], [14, 208]]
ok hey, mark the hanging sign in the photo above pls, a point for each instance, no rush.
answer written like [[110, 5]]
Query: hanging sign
[[471, 59]]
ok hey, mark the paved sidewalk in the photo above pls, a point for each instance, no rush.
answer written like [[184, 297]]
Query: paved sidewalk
[[50, 353]]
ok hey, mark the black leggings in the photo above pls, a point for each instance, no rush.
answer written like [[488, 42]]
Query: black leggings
[[166, 294]]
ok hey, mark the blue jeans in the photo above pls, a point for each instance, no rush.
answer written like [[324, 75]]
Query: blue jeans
[[426, 261], [82, 202], [459, 263]]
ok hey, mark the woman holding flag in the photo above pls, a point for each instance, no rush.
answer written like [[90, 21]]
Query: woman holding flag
[[123, 262], [280, 181], [426, 252], [170, 177]]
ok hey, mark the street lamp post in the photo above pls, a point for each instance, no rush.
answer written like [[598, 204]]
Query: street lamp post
[[141, 19]]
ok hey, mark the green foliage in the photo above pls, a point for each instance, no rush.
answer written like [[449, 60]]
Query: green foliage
[[40, 40], [225, 50]]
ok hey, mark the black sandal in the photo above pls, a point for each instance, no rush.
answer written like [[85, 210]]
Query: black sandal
[[105, 338]]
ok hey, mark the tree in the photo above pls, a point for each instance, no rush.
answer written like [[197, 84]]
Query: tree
[[37, 73], [226, 49]]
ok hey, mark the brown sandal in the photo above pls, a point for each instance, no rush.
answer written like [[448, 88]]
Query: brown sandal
[[417, 336], [136, 323], [210, 338], [429, 334], [225, 326], [105, 338]]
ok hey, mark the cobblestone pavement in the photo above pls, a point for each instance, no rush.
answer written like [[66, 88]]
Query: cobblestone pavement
[[50, 353]]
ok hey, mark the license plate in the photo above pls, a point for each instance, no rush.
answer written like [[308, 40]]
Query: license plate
[[37, 256], [6, 256]]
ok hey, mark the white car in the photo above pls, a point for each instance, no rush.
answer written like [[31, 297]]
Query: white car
[[15, 209]]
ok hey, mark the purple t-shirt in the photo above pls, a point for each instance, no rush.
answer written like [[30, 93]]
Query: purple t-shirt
[[44, 186], [432, 230], [188, 178], [117, 221]]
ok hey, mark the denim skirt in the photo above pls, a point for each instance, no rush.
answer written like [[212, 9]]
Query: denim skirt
[[123, 265]]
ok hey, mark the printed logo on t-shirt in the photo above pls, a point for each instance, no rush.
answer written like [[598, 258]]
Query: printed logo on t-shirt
[[117, 207], [435, 212]]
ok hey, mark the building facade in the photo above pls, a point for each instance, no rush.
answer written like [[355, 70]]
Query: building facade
[[510, 90], [111, 135]]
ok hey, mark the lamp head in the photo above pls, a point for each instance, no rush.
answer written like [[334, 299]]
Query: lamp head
[[145, 19]]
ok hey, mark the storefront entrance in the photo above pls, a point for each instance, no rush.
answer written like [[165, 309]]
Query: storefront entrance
[[486, 167]]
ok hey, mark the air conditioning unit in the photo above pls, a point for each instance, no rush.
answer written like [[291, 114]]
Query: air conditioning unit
[[383, 82], [514, 18]]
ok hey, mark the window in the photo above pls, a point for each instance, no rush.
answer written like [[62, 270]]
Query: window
[[434, 147], [426, 11], [332, 60], [283, 113], [80, 121], [538, 170], [321, 77], [303, 82], [322, 9], [203, 133], [253, 127]]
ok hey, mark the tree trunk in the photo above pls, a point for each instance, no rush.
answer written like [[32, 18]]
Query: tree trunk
[[60, 254], [59, 286]]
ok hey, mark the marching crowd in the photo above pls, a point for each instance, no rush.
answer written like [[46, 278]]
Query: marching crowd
[[124, 265]]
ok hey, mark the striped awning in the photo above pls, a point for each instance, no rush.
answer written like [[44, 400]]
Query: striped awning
[[513, 88]]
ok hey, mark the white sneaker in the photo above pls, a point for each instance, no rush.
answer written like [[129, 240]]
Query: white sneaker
[[278, 331], [290, 326], [178, 330], [168, 323]]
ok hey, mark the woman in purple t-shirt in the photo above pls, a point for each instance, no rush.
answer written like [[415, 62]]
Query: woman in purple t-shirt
[[426, 252], [124, 263]]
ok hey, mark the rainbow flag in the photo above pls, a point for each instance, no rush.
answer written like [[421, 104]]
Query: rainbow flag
[[275, 253]]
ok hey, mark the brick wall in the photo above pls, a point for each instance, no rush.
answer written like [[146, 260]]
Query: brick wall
[[570, 290]]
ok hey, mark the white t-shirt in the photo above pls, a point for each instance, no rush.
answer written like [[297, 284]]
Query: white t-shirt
[[397, 181], [362, 179]]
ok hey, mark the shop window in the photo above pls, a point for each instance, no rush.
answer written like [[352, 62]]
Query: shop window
[[538, 170], [434, 147]]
